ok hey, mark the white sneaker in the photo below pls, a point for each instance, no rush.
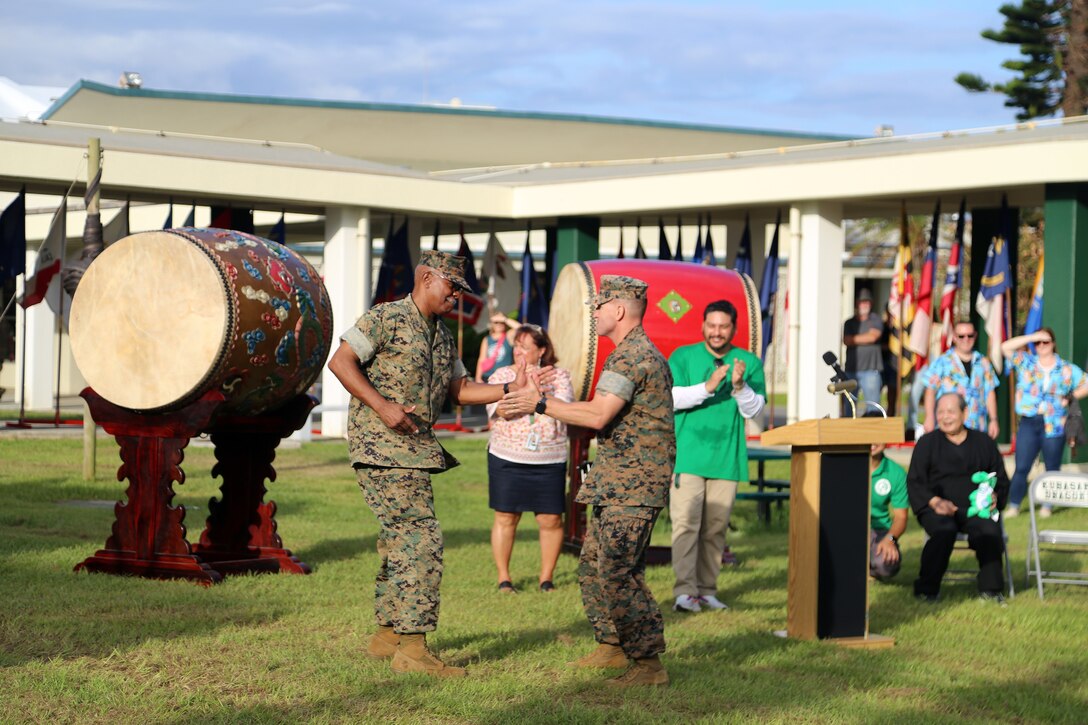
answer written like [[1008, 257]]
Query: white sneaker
[[1045, 512], [712, 602], [1011, 512], [684, 603]]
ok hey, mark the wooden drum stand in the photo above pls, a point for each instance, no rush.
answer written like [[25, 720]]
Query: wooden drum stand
[[239, 534]]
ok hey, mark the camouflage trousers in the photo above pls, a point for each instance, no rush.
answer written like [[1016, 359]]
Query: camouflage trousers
[[611, 574], [409, 544]]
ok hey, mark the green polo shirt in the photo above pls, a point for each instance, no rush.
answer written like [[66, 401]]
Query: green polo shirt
[[889, 484], [710, 437]]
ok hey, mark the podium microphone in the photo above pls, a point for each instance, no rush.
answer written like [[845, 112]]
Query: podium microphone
[[843, 386], [830, 359]]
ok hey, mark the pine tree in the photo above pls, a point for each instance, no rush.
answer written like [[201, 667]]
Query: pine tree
[[1053, 37]]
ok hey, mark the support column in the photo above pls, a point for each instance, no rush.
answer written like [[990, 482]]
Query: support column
[[985, 225], [1065, 250], [819, 324], [347, 268], [576, 240]]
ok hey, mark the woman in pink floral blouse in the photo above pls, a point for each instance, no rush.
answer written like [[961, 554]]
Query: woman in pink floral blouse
[[527, 464]]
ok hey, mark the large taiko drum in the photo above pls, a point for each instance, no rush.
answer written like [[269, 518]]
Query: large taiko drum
[[677, 295], [162, 317]]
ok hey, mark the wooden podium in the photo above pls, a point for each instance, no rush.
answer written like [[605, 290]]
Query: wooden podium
[[829, 526]]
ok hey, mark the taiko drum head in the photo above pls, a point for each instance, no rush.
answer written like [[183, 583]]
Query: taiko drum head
[[161, 317]]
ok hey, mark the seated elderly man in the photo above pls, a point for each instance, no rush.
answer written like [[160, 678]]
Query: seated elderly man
[[951, 472]]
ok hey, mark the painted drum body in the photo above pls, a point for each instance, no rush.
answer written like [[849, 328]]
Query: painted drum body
[[677, 295], [162, 317]]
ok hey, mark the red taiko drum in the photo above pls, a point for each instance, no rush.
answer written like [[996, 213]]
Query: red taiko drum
[[678, 292], [162, 317]]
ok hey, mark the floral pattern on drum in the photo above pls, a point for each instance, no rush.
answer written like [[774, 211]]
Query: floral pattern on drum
[[280, 322]]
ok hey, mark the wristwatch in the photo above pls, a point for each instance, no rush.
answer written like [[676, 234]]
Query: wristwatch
[[541, 405], [506, 388], [894, 540]]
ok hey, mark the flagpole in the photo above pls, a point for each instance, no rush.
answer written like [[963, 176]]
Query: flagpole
[[60, 350], [460, 349], [22, 370]]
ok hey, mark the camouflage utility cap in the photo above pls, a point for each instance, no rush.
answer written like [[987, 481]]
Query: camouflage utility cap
[[448, 265], [619, 287]]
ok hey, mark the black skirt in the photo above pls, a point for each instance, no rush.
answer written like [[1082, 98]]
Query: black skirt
[[515, 487]]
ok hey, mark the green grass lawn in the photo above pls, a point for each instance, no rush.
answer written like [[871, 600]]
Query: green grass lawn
[[283, 648]]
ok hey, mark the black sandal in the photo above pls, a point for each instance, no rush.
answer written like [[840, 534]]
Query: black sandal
[[547, 586], [507, 587]]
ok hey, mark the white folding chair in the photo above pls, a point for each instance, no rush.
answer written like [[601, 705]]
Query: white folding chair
[[1056, 489]]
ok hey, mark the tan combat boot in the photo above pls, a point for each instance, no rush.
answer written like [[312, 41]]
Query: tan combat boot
[[648, 672], [413, 656], [604, 657], [382, 644]]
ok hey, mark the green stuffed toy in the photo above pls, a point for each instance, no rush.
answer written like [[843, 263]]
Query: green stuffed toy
[[983, 502]]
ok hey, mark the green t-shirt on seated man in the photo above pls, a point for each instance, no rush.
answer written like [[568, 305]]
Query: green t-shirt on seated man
[[889, 484]]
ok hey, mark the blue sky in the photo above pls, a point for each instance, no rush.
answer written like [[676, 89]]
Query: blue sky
[[837, 67]]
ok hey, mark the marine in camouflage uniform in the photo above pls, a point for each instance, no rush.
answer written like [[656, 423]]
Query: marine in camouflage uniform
[[399, 363], [627, 487]]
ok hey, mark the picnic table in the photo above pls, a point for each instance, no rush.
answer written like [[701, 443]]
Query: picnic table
[[768, 490]]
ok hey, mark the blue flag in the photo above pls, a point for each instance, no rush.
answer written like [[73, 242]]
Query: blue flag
[[743, 262], [697, 257], [278, 232], [768, 290], [395, 277], [992, 300], [534, 305], [709, 257], [13, 238], [640, 253], [1034, 323], [664, 251]]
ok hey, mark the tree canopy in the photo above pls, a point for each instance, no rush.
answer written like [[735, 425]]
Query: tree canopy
[[1052, 74]]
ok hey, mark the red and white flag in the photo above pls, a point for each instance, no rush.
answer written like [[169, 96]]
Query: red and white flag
[[923, 312], [953, 280], [50, 259]]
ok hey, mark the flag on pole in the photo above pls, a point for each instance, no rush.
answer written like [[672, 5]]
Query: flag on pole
[[278, 232], [993, 293], [664, 251], [697, 257], [190, 220], [534, 305], [50, 258], [922, 325], [679, 257], [709, 258], [472, 303], [500, 280], [901, 299], [118, 226], [13, 238], [640, 253], [953, 280], [169, 223], [768, 290], [1034, 323], [395, 276], [743, 261]]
